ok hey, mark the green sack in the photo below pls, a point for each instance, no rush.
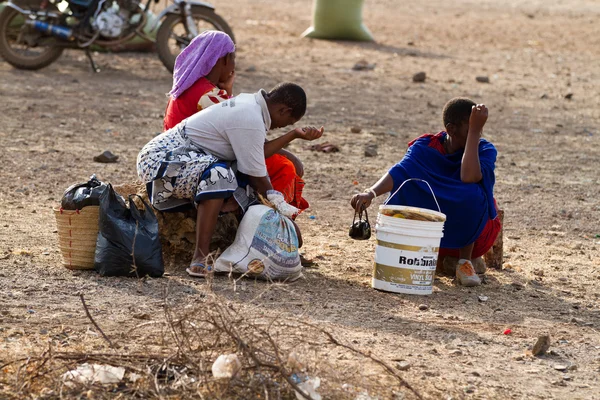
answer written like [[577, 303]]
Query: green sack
[[338, 19]]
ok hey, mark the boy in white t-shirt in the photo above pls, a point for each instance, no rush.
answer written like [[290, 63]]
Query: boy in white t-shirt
[[202, 160]]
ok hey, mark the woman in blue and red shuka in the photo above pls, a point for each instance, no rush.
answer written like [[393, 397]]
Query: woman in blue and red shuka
[[459, 165]]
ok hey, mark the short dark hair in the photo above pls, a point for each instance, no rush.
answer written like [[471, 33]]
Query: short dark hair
[[290, 94], [457, 111]]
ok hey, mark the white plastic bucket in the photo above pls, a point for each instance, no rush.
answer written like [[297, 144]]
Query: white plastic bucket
[[407, 250]]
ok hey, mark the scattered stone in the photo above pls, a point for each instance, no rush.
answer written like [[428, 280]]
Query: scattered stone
[[566, 378], [572, 367], [517, 285], [419, 77], [403, 365], [470, 389], [483, 299], [482, 79], [455, 353], [561, 367], [541, 346], [423, 307], [544, 96], [106, 157], [251, 68], [363, 66], [371, 150], [355, 129], [569, 96], [475, 373]]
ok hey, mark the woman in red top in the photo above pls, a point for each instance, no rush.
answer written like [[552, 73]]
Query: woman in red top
[[203, 76]]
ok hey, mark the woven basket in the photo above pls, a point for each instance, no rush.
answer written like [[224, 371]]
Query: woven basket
[[77, 234]]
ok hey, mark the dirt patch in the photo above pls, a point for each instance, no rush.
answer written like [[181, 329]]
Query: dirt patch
[[543, 95]]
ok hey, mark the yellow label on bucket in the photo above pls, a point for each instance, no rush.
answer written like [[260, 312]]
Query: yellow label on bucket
[[418, 277], [406, 247]]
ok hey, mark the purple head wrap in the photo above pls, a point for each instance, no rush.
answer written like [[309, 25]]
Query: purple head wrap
[[199, 58]]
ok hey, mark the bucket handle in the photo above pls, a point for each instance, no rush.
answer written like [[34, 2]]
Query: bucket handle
[[415, 179]]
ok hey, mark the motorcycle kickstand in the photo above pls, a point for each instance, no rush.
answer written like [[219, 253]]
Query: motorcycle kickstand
[[92, 62]]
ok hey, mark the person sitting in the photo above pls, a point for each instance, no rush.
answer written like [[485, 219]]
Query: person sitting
[[203, 76], [217, 153], [459, 166]]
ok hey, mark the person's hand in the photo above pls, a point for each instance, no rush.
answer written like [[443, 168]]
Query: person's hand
[[227, 85], [361, 201], [308, 133], [479, 115]]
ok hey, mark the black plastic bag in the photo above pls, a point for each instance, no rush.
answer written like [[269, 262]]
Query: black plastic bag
[[122, 228], [82, 195], [361, 229]]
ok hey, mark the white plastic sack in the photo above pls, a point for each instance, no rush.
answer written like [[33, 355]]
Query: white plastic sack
[[94, 373], [265, 246]]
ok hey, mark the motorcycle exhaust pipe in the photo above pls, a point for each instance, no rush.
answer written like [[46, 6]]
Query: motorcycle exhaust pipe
[[56, 30]]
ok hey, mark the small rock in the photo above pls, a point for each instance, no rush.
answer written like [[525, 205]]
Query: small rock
[[566, 378], [403, 365], [371, 150], [423, 307], [544, 96], [560, 367], [475, 373], [355, 129], [470, 389], [363, 66], [517, 285], [455, 353], [419, 77], [482, 79], [251, 68], [483, 299], [541, 346], [106, 157], [572, 367], [569, 96]]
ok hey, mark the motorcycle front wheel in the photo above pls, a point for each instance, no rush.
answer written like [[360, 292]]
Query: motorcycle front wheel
[[19, 44], [173, 37]]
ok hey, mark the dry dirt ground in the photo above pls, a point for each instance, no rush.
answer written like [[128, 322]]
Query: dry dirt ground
[[544, 97]]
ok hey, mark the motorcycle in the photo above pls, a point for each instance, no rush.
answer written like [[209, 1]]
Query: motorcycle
[[34, 33]]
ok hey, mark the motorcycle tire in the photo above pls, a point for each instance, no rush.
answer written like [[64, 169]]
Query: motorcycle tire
[[8, 26], [168, 53]]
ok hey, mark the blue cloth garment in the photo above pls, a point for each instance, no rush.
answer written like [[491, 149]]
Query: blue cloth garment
[[468, 206]]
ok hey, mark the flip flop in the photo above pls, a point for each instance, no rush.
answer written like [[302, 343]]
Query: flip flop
[[207, 270]]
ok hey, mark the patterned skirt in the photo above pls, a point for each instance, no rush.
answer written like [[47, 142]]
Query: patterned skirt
[[178, 173]]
